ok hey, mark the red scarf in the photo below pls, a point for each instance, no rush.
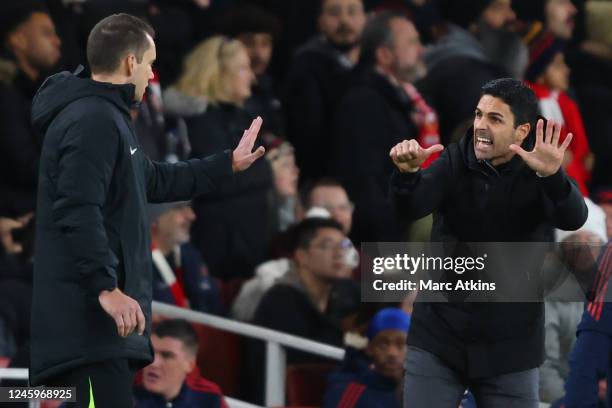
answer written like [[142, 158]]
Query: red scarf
[[426, 120]]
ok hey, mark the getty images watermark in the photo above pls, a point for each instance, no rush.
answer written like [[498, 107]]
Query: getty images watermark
[[478, 272]]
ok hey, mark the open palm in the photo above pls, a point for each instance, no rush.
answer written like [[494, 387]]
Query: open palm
[[243, 155], [547, 155]]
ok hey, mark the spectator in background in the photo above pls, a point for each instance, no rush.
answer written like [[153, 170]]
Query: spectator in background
[[282, 160], [325, 198], [380, 109], [548, 76], [29, 49], [562, 315], [558, 16], [232, 223], [603, 198], [463, 60], [591, 79], [173, 379], [361, 385], [259, 31], [180, 276], [329, 194], [316, 81], [589, 360], [312, 298]]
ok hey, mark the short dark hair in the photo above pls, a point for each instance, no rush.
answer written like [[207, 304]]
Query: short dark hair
[[307, 230], [377, 33], [113, 38], [178, 329], [521, 99], [249, 18], [13, 14], [309, 187]]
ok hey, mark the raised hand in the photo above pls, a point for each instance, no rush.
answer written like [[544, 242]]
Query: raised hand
[[243, 156], [547, 155], [408, 155]]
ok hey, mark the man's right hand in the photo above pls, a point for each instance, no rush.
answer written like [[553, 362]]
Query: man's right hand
[[408, 155], [124, 310]]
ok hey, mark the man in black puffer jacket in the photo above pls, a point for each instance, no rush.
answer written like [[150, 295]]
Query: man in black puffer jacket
[[486, 188], [91, 313]]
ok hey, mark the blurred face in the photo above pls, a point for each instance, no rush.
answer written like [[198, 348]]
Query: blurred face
[[259, 48], [407, 52], [36, 41], [173, 226], [286, 175], [239, 77], [142, 72], [171, 365], [387, 351], [560, 17], [335, 200], [499, 14], [342, 21], [556, 76], [494, 130], [325, 257]]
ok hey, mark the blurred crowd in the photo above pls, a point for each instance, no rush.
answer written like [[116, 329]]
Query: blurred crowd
[[338, 83]]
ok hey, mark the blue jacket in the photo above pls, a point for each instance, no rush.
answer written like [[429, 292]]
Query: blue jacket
[[355, 385], [195, 392], [201, 289]]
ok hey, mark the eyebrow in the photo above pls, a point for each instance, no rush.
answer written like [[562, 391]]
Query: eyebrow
[[495, 114]]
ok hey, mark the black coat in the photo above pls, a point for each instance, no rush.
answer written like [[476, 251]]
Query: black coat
[[20, 147], [314, 87], [92, 230], [473, 202], [232, 224], [454, 88], [373, 117]]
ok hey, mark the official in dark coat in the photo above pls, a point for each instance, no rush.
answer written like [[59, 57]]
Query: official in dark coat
[[91, 313]]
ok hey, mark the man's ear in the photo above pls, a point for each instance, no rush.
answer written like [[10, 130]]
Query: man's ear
[[384, 56], [521, 132], [17, 41], [130, 64]]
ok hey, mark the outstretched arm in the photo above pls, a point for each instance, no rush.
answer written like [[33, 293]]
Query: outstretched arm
[[185, 180]]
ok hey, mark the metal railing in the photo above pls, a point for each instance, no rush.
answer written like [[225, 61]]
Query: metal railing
[[276, 342]]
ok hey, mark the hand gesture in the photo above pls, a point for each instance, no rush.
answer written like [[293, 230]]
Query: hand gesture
[[124, 310], [243, 156], [408, 155], [547, 156]]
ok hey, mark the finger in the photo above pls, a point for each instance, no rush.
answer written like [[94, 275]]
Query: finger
[[393, 151], [566, 142], [539, 131], [141, 321], [12, 224], [550, 128], [434, 149], [556, 135], [120, 325], [254, 130], [518, 150], [127, 320], [257, 154]]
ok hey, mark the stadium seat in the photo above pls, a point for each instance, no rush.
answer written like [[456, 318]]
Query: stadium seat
[[219, 358], [306, 383]]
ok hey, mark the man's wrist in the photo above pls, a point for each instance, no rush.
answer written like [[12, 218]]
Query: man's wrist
[[410, 170]]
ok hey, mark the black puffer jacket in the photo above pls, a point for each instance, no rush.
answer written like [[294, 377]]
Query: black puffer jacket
[[472, 201], [92, 231]]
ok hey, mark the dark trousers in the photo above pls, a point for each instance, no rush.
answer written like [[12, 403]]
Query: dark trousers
[[431, 383], [108, 382]]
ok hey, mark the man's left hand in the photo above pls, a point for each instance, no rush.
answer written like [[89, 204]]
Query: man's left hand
[[547, 155], [243, 156]]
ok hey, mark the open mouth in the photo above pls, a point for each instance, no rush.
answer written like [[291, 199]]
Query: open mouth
[[481, 140]]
